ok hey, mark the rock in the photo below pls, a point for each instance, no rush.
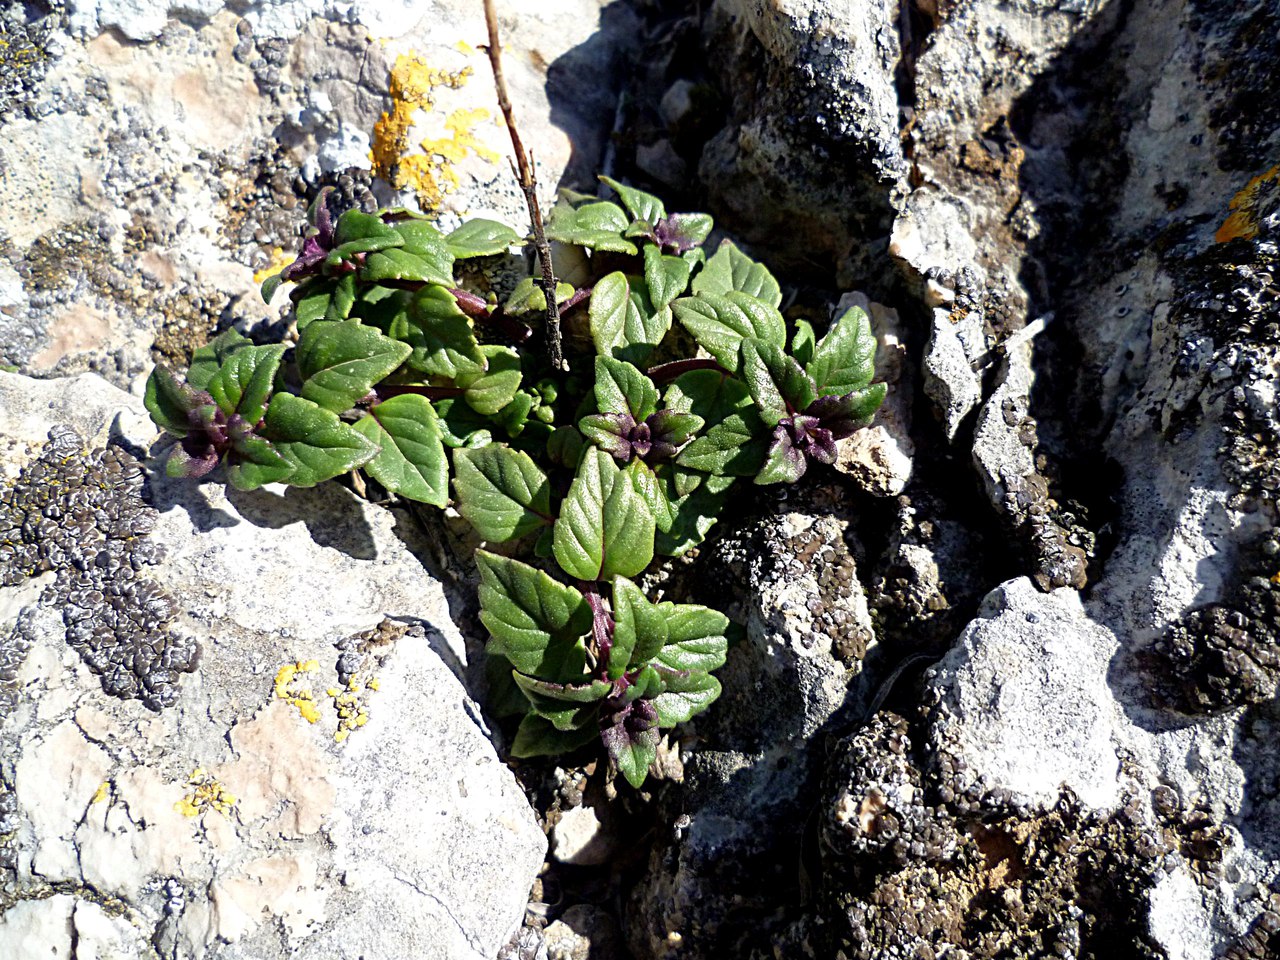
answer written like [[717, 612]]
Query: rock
[[321, 772], [584, 932], [1023, 701], [717, 883], [584, 836], [812, 159], [880, 456]]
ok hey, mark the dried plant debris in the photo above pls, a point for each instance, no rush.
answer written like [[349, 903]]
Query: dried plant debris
[[80, 514], [1224, 655]]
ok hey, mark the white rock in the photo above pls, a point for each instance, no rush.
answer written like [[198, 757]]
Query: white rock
[[407, 838], [38, 928], [1026, 701]]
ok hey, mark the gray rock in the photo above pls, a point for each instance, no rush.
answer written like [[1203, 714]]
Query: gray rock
[[320, 786]]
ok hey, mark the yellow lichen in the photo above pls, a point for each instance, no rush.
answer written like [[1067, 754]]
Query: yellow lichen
[[279, 260], [1249, 206], [206, 794], [429, 174], [289, 689], [103, 791]]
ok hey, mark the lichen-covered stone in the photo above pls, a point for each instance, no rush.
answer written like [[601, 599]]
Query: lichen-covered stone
[[80, 514]]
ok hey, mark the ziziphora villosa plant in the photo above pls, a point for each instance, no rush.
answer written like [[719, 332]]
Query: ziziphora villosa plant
[[421, 379]]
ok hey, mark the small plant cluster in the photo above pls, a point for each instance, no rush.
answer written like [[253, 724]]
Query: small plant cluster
[[407, 367]]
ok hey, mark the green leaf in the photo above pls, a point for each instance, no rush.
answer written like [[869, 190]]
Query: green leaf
[[693, 516], [598, 226], [460, 426], [421, 237], [777, 384], [605, 528], [412, 461], [721, 323], [633, 751], [653, 491], [735, 446], [490, 391], [666, 277], [621, 388], [803, 342], [270, 286], [342, 299], [696, 637], [207, 359], [685, 694], [536, 737], [358, 225], [340, 362], [314, 440], [311, 300], [845, 359], [443, 341], [609, 432], [481, 238], [623, 322], [640, 629], [528, 296], [401, 264], [245, 380], [255, 461], [783, 463], [535, 621], [587, 692], [501, 492], [731, 269], [641, 205], [565, 447], [168, 399]]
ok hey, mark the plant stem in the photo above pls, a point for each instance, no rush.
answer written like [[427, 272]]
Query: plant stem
[[666, 372], [524, 173]]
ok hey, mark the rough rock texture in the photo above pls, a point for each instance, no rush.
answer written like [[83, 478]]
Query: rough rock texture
[[320, 786], [157, 154]]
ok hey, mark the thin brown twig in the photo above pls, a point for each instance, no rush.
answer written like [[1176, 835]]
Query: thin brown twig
[[523, 170]]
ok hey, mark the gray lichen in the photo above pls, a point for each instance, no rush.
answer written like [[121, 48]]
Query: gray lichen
[[81, 515]]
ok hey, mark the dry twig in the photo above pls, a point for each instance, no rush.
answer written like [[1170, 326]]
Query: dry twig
[[523, 170]]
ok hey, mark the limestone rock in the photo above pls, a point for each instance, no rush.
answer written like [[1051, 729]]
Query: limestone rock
[[320, 786]]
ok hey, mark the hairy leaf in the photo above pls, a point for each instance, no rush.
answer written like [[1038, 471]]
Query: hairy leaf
[[528, 296], [640, 631], [623, 323], [399, 263], [845, 359], [685, 694], [341, 361], [207, 359], [245, 380], [632, 740], [621, 388], [605, 528], [696, 637], [641, 205], [803, 342], [481, 238], [784, 463], [501, 492], [254, 462], [168, 399], [536, 737], [443, 342], [535, 621], [721, 323], [731, 269], [777, 384], [412, 460], [665, 276], [314, 440], [490, 391], [597, 226]]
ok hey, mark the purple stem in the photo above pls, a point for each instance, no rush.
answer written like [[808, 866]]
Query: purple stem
[[578, 296], [601, 626]]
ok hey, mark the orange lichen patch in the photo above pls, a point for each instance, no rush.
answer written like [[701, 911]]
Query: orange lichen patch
[[289, 688], [352, 704], [103, 791], [279, 260], [1249, 206], [206, 794], [430, 173]]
